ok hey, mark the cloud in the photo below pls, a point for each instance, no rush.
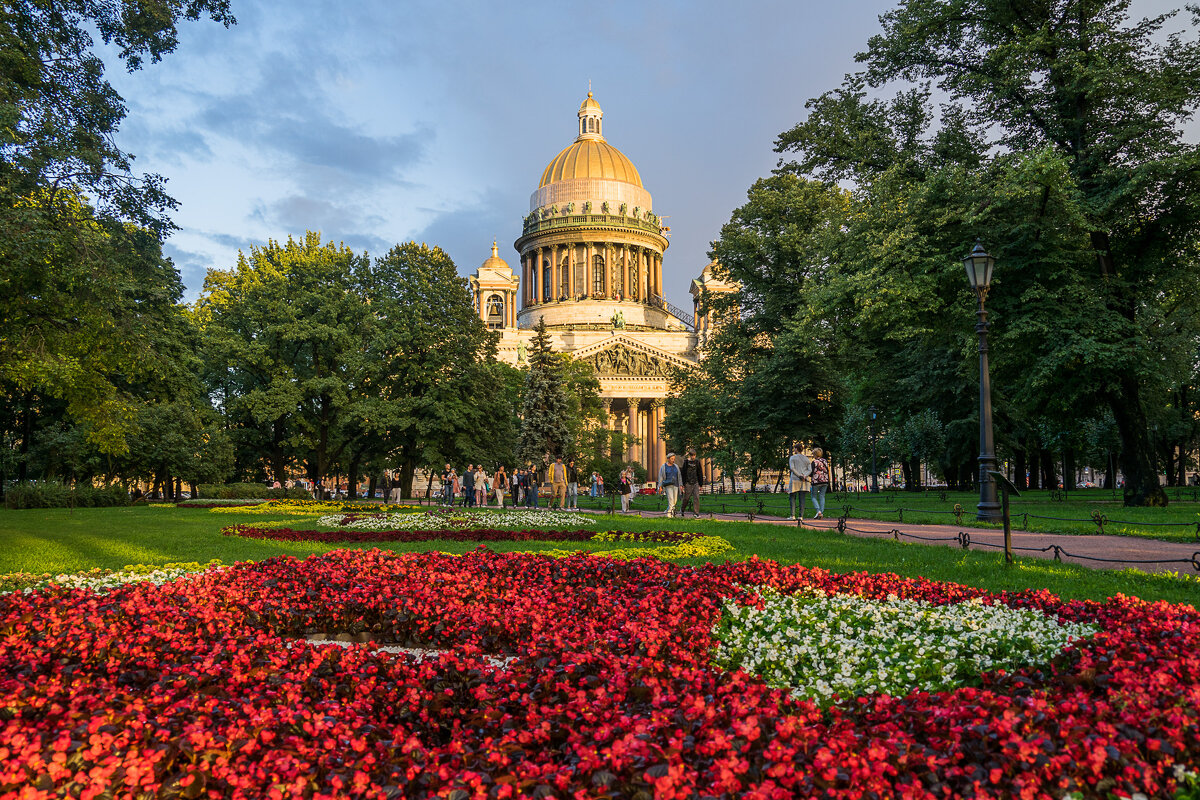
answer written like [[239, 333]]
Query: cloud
[[343, 222], [289, 117], [466, 232]]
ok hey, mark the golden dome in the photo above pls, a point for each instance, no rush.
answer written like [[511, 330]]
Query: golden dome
[[494, 261], [589, 105], [591, 158]]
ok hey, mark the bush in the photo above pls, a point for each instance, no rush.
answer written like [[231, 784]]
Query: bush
[[249, 491], [51, 494]]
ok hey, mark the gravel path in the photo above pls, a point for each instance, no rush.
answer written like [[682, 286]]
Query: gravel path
[[1120, 552]]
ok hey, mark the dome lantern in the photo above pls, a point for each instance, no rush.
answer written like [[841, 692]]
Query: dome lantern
[[590, 117]]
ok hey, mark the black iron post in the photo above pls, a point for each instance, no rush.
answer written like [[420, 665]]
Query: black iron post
[[874, 467], [979, 273]]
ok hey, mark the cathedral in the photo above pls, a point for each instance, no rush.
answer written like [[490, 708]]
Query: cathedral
[[591, 265]]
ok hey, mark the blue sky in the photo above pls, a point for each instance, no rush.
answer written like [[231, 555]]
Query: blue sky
[[380, 122]]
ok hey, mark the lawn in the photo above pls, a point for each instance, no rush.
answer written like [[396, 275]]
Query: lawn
[[1041, 511], [60, 540]]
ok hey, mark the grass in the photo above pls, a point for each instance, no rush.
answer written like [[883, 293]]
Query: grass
[[60, 540], [1178, 522]]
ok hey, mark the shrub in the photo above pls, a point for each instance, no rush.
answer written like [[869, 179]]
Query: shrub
[[249, 491], [51, 494]]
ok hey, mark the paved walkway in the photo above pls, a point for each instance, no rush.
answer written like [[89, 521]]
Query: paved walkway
[[1119, 552]]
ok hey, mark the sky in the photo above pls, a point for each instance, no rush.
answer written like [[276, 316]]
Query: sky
[[377, 122]]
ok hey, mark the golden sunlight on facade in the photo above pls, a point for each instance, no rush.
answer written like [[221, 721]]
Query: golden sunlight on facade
[[591, 266]]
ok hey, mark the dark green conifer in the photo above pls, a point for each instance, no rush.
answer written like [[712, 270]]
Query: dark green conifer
[[544, 424]]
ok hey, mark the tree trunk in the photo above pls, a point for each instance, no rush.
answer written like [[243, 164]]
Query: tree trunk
[[1049, 479], [26, 439], [1069, 468], [1021, 469], [352, 478], [408, 468], [371, 485], [1137, 463], [1110, 472]]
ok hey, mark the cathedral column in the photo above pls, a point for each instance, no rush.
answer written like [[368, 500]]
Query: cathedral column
[[644, 274], [512, 308], [624, 270], [658, 273], [553, 274], [524, 280], [634, 452], [660, 444], [608, 271], [537, 276], [609, 425], [587, 270]]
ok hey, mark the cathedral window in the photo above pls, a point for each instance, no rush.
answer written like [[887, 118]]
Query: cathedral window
[[634, 281], [598, 275], [547, 288]]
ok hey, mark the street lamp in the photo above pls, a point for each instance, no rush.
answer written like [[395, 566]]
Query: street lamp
[[979, 276], [874, 468]]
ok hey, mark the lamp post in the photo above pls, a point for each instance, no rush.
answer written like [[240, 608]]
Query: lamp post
[[874, 468], [979, 276]]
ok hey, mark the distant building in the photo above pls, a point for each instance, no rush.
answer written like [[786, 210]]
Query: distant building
[[591, 256]]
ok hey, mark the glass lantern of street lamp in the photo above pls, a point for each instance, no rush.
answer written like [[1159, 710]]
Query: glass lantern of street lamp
[[979, 268]]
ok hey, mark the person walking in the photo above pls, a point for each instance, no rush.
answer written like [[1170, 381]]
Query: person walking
[[447, 486], [480, 487], [535, 485], [455, 487], [820, 482], [625, 488], [599, 485], [500, 484], [468, 486], [693, 477], [669, 482], [572, 486], [799, 472], [558, 484]]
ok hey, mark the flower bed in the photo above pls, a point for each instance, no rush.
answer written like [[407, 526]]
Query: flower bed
[[228, 503], [190, 689], [435, 519], [827, 646], [305, 507], [370, 535]]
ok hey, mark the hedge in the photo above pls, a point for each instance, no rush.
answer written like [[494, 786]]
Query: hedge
[[249, 491], [56, 495]]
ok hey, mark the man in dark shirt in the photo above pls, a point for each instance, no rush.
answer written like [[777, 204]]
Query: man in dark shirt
[[447, 485], [468, 482], [572, 486], [693, 477]]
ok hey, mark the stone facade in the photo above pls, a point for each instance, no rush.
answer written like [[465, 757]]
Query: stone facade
[[591, 261]]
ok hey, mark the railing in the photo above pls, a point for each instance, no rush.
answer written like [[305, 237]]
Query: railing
[[679, 314], [581, 220]]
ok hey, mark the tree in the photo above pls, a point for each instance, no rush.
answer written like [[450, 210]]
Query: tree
[[437, 393], [284, 330], [545, 413], [88, 298], [1085, 183]]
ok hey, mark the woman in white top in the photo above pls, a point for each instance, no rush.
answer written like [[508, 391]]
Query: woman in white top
[[799, 480]]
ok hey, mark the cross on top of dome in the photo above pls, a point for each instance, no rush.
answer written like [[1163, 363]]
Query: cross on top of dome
[[590, 117]]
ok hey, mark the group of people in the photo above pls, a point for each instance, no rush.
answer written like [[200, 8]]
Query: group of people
[[474, 487], [808, 474], [686, 477]]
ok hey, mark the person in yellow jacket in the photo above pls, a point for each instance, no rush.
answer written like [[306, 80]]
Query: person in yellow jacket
[[558, 484]]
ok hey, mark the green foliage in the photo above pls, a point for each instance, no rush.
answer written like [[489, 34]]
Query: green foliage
[[1074, 168], [546, 411], [58, 495], [88, 306], [246, 491]]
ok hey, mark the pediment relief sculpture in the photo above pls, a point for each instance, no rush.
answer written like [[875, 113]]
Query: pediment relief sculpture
[[621, 360]]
